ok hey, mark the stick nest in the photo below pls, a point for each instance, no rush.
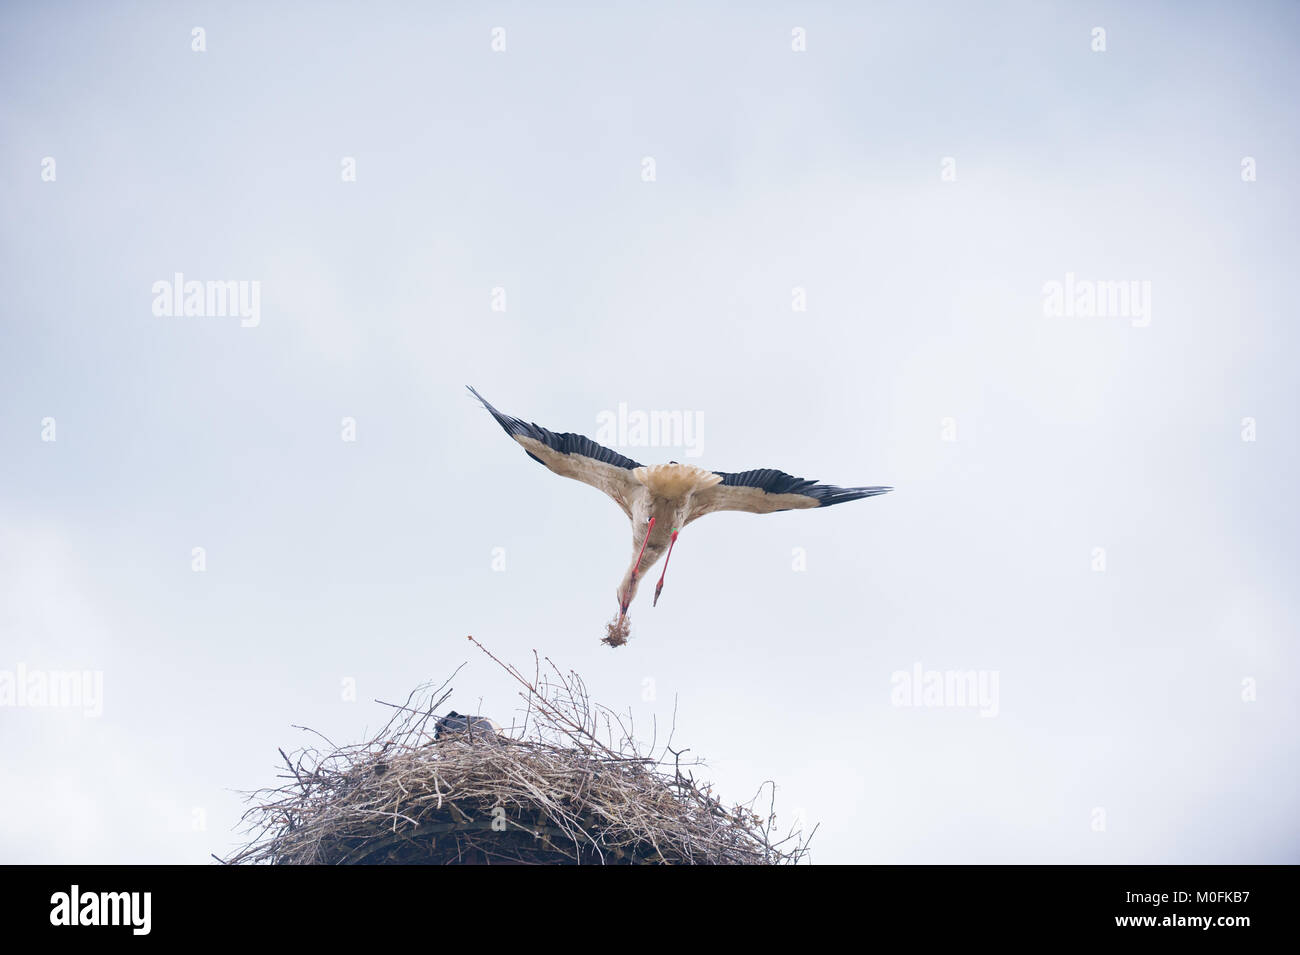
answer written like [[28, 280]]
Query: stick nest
[[568, 786]]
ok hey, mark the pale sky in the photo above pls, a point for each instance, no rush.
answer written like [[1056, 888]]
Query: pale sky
[[1078, 515]]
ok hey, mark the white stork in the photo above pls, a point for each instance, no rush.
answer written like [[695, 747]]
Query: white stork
[[663, 498]]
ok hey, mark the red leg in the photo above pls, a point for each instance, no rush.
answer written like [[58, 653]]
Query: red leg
[[667, 556], [637, 569]]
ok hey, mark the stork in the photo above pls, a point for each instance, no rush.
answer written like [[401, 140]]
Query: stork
[[457, 725], [661, 499]]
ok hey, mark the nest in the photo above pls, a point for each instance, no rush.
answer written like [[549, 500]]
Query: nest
[[569, 786]]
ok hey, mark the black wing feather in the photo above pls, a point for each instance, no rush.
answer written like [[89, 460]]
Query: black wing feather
[[773, 481], [567, 443]]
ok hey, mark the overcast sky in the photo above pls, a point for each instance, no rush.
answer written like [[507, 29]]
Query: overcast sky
[[831, 250]]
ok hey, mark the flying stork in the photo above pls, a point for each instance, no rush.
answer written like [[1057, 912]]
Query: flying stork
[[661, 499]]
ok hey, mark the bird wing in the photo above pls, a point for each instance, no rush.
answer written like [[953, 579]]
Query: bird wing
[[573, 456], [767, 490]]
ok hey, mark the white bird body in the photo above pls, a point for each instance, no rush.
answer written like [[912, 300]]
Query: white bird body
[[661, 499], [667, 493]]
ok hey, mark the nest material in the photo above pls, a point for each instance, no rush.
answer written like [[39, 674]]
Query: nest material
[[569, 787], [617, 631]]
